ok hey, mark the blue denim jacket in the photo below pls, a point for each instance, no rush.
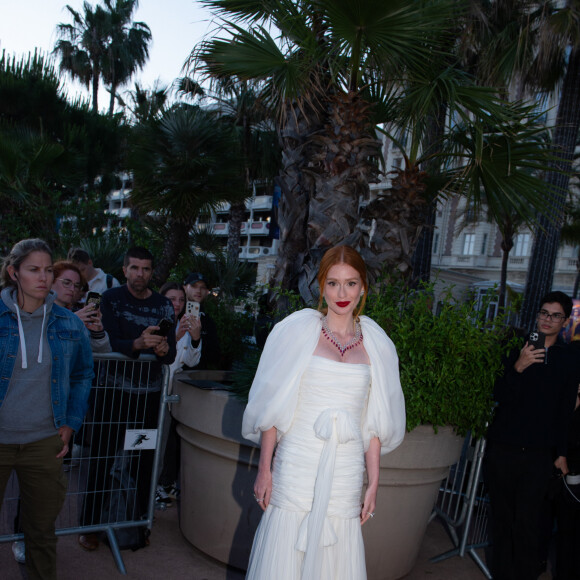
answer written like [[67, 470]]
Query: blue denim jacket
[[72, 362]]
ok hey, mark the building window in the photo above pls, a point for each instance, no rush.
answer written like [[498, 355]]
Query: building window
[[435, 243], [468, 244], [522, 244], [484, 244]]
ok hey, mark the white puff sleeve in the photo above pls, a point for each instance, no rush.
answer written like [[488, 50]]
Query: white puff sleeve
[[274, 393], [385, 413]]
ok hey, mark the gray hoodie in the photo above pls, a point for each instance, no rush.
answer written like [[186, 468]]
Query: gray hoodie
[[26, 413]]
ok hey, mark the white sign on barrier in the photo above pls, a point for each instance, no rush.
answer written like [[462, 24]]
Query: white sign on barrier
[[140, 439]]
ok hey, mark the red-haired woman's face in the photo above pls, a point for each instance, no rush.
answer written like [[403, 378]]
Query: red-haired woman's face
[[343, 288]]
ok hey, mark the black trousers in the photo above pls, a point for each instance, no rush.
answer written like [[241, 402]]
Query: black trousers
[[518, 480], [568, 545]]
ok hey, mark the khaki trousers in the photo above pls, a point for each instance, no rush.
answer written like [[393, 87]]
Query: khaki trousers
[[42, 491]]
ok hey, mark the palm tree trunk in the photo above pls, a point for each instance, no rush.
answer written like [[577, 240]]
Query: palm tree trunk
[[297, 189], [424, 251], [177, 240], [96, 75], [501, 302], [237, 215], [547, 235], [112, 99]]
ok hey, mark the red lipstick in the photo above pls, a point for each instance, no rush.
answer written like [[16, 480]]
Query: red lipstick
[[343, 304]]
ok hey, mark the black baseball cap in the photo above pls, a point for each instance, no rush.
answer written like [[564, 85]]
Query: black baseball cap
[[195, 277]]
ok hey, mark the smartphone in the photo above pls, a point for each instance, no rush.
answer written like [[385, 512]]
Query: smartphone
[[537, 339], [164, 327], [192, 308], [94, 298]]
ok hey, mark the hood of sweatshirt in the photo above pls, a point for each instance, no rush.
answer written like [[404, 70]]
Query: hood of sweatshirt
[[9, 296]]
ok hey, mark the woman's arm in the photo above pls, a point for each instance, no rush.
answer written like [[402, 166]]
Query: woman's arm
[[372, 459], [263, 483]]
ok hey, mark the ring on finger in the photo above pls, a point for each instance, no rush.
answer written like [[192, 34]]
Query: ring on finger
[[371, 514]]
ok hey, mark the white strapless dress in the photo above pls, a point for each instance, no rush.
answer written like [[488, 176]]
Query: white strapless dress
[[311, 529]]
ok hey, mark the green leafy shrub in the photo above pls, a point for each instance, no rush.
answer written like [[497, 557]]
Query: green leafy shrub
[[449, 355]]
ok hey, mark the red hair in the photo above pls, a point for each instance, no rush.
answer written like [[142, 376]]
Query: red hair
[[343, 255]]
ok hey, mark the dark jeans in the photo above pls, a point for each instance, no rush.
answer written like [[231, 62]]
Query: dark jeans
[[43, 487], [518, 480]]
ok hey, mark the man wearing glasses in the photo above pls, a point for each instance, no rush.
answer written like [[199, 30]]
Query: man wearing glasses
[[527, 440]]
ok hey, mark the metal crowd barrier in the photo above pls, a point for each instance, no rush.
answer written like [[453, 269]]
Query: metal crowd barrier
[[117, 454], [463, 505]]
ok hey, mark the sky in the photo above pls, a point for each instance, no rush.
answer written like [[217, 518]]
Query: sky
[[176, 25]]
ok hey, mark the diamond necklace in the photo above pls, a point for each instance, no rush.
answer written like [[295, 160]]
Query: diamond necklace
[[354, 341]]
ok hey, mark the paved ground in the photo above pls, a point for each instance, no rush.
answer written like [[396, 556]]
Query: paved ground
[[171, 557]]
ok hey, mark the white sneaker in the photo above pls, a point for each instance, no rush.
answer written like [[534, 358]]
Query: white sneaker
[[18, 551]]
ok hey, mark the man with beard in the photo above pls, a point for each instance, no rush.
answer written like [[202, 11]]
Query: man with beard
[[138, 321]]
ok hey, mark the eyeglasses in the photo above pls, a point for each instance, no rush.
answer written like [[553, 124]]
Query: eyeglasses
[[555, 316], [68, 283]]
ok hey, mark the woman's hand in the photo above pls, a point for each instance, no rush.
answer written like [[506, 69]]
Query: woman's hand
[[368, 506], [65, 433], [263, 488], [194, 327], [182, 327], [91, 318], [263, 483]]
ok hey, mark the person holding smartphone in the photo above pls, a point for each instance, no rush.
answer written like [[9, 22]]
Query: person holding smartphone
[[199, 324], [68, 280], [527, 439], [188, 330]]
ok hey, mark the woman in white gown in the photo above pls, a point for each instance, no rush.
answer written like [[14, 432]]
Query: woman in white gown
[[327, 394]]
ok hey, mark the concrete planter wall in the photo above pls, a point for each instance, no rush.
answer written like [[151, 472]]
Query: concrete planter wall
[[218, 467]]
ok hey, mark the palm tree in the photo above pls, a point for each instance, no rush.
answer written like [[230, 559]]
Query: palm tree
[[146, 104], [340, 69], [103, 43], [82, 46], [318, 76], [185, 163], [128, 46], [510, 167]]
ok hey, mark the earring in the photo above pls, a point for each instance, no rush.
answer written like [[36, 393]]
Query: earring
[[362, 293]]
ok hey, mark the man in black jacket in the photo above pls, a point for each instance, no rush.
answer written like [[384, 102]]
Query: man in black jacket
[[527, 438], [196, 290]]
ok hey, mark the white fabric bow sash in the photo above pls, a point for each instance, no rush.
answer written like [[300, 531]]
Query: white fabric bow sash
[[333, 426]]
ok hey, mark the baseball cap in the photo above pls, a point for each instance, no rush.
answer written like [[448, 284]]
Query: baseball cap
[[194, 277]]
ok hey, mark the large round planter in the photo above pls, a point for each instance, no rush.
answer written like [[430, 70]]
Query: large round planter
[[218, 467], [409, 482]]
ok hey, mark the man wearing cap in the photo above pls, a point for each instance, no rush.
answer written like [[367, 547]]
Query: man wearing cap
[[196, 290]]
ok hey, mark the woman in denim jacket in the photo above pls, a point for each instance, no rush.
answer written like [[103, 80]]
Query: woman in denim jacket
[[46, 368]]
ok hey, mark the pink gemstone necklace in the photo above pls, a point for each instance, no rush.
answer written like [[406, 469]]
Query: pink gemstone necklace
[[354, 341]]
